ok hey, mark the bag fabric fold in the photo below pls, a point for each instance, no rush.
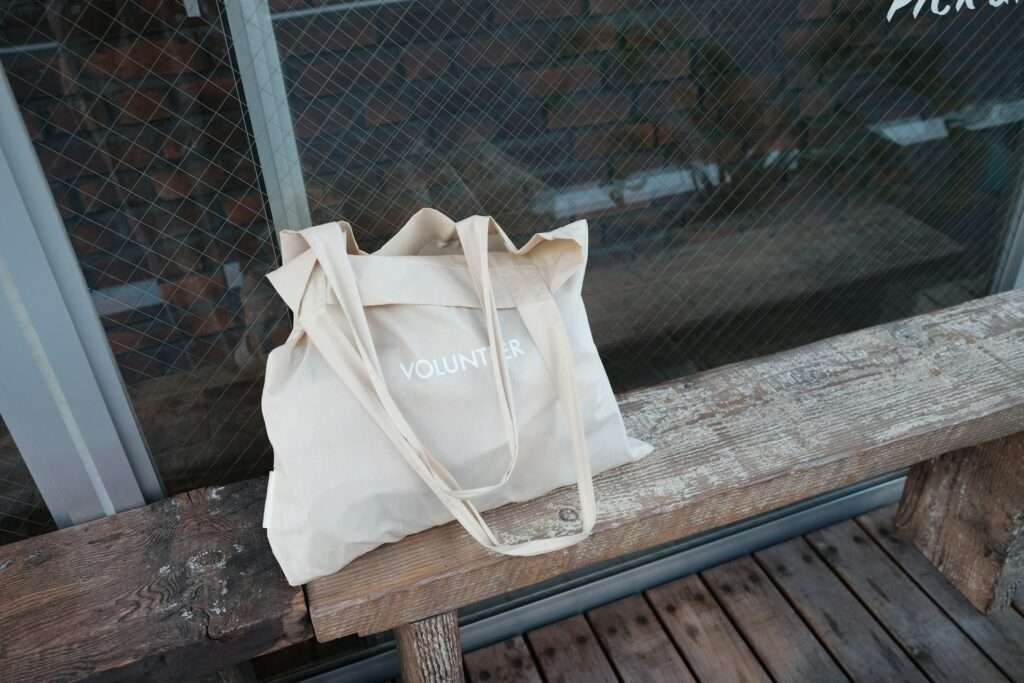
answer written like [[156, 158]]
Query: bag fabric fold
[[443, 375]]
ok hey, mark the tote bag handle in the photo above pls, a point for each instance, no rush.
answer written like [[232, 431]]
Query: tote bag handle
[[355, 361]]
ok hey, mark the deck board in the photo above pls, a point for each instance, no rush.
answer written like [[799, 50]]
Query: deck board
[[782, 641], [638, 647], [999, 635], [507, 662], [703, 632], [934, 641], [859, 643], [568, 652], [850, 601]]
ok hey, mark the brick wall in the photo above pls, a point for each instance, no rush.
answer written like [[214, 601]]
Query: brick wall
[[532, 110], [142, 133], [526, 97]]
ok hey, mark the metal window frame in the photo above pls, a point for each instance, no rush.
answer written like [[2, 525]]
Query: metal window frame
[[61, 393], [1010, 272], [259, 70]]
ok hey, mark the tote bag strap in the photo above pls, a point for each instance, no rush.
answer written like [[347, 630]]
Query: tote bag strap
[[334, 261], [350, 352]]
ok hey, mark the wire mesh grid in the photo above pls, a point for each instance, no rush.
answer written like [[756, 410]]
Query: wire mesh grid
[[756, 176], [141, 129], [22, 513]]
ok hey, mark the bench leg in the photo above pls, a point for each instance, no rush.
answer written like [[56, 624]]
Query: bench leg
[[430, 650], [965, 512]]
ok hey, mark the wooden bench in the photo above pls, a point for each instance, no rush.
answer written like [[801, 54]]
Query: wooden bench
[[189, 584]]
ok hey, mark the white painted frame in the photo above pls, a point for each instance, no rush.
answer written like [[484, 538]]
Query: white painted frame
[[259, 70], [61, 394]]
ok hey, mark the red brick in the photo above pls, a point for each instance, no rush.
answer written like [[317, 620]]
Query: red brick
[[815, 9], [142, 106], [126, 339], [171, 258], [179, 184], [338, 75], [588, 38], [384, 108], [144, 151], [73, 159], [74, 114], [194, 288], [814, 103], [245, 210], [213, 322], [508, 11], [211, 95], [144, 58], [587, 110], [751, 88], [99, 194], [795, 42], [33, 123], [608, 6], [657, 99], [646, 67], [616, 140], [663, 32], [559, 80], [492, 51], [774, 139], [425, 61], [331, 32]]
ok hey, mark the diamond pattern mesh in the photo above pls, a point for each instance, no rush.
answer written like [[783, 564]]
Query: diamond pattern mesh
[[756, 175]]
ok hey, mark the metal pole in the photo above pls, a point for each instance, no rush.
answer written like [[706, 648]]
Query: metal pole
[[259, 66], [61, 394]]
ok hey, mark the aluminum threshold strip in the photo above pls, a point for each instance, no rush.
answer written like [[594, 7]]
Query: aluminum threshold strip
[[495, 623]]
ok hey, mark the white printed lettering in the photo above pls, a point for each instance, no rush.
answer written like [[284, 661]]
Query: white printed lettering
[[458, 361]]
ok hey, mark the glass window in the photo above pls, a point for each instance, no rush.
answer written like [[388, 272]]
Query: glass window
[[22, 510], [756, 175]]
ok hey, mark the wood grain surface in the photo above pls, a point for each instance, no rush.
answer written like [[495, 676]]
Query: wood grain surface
[[859, 643], [568, 652], [507, 662], [729, 444], [932, 640], [782, 641], [1000, 634], [635, 642], [965, 512], [166, 592], [703, 632], [430, 650]]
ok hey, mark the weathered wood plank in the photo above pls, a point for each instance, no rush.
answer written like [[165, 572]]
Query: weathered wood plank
[[965, 512], [783, 643], [858, 642], [640, 650], [1000, 635], [931, 639], [507, 662], [568, 652], [704, 634], [170, 591], [730, 443], [430, 650]]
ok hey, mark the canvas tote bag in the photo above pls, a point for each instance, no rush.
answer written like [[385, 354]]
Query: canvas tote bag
[[445, 374]]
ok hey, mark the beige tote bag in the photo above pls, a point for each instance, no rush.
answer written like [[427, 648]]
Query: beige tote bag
[[445, 374]]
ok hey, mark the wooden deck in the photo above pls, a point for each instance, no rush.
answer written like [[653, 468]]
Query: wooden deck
[[850, 602]]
